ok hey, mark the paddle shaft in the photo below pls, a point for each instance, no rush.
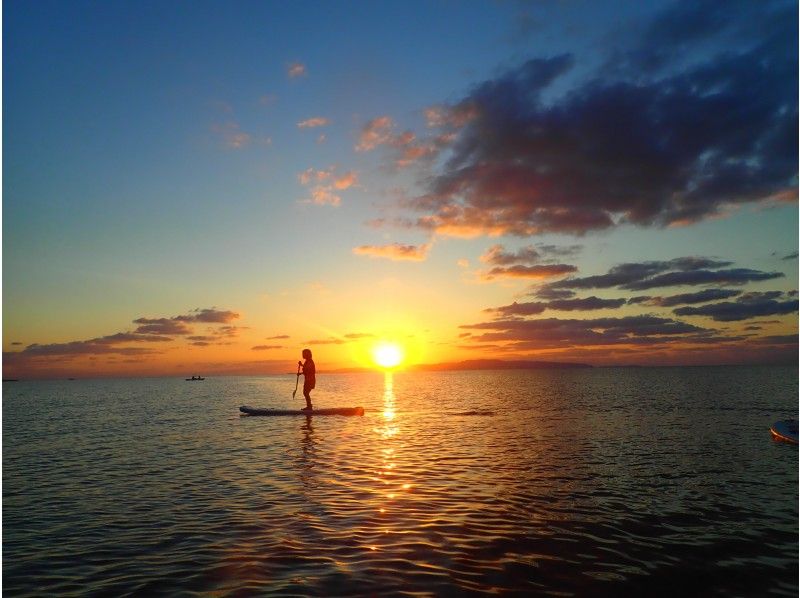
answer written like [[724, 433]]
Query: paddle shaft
[[296, 381]]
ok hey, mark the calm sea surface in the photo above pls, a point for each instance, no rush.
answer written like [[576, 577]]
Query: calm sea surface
[[601, 482]]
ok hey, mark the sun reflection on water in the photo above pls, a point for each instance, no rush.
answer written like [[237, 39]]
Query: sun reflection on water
[[390, 473]]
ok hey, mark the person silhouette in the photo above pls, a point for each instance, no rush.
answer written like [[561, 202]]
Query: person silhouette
[[309, 377]]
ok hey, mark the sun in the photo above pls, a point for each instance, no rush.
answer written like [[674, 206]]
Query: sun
[[387, 355]]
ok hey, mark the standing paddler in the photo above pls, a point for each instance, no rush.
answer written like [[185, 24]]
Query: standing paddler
[[309, 377]]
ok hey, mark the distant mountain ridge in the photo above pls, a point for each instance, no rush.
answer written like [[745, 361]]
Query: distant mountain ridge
[[499, 364], [478, 364]]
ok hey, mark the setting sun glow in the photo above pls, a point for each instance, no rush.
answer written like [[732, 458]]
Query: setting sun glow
[[387, 355]]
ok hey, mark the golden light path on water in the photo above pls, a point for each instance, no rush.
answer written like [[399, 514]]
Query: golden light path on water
[[388, 431]]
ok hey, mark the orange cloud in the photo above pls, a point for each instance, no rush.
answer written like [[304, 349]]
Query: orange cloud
[[324, 196], [522, 271], [395, 251], [310, 123], [346, 181], [326, 183], [376, 132]]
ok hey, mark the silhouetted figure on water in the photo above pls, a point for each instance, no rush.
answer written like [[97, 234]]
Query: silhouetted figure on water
[[309, 377]]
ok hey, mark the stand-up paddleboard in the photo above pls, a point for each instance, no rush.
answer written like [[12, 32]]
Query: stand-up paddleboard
[[333, 411], [785, 430]]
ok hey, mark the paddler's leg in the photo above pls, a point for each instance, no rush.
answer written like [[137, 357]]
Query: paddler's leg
[[307, 395]]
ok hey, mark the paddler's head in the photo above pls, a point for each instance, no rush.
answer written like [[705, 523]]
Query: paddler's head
[[306, 353]]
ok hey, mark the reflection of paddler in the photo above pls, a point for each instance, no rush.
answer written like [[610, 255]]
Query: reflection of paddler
[[309, 377]]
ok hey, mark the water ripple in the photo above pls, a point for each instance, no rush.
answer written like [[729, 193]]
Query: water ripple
[[600, 482]]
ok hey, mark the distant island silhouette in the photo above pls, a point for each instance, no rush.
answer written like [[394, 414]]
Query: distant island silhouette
[[477, 364]]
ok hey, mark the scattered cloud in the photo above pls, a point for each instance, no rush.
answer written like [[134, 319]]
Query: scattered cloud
[[521, 271], [551, 294], [210, 316], [358, 335], [322, 196], [752, 305], [266, 347], [345, 181], [278, 337], [152, 331], [791, 256], [409, 150], [692, 298], [530, 254], [395, 251], [163, 326], [326, 341], [677, 272], [268, 99], [555, 332], [232, 136], [534, 307], [317, 121], [377, 131], [326, 183], [296, 69]]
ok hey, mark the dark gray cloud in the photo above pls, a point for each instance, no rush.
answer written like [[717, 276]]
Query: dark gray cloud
[[552, 294], [587, 303], [675, 137], [742, 309], [533, 308], [691, 298], [699, 277], [208, 316], [161, 326], [556, 332], [497, 255], [76, 348], [639, 276]]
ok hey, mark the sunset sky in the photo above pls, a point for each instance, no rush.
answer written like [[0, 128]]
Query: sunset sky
[[210, 187]]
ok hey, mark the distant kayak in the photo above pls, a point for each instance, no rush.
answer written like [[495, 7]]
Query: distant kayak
[[333, 411], [193, 378], [785, 430]]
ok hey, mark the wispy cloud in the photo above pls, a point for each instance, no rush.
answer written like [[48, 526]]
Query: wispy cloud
[[266, 347], [311, 123], [232, 135], [536, 307], [296, 69], [533, 272], [395, 251]]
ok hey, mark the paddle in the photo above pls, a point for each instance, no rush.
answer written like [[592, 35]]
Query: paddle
[[299, 365]]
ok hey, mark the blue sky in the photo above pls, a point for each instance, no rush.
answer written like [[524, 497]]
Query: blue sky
[[154, 162]]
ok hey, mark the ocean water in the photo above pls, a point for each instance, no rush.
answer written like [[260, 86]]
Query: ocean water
[[597, 482]]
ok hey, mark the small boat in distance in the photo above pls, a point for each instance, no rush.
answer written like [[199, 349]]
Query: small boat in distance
[[195, 378]]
